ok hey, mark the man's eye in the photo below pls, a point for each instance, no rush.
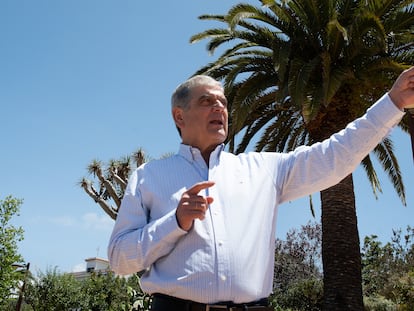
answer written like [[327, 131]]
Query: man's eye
[[207, 102], [212, 101]]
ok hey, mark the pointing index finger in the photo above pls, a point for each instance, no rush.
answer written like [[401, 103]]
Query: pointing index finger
[[195, 189]]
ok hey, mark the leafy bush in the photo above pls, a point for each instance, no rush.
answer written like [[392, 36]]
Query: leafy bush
[[53, 291], [101, 291], [388, 270], [9, 236], [306, 295], [298, 281], [378, 303]]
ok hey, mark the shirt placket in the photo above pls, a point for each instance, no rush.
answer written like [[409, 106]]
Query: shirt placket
[[221, 242]]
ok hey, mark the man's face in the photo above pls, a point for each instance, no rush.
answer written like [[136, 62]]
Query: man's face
[[205, 123]]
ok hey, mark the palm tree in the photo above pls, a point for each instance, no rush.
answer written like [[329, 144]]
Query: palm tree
[[296, 72]]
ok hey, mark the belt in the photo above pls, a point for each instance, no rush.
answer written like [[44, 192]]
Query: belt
[[161, 302]]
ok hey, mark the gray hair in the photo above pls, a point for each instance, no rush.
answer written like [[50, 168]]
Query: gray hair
[[182, 94]]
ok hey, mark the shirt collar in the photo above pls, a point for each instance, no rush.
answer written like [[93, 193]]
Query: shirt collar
[[192, 153]]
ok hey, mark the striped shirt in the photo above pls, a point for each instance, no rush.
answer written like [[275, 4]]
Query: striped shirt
[[228, 256]]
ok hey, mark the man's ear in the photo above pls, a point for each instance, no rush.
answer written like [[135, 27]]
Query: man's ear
[[178, 116]]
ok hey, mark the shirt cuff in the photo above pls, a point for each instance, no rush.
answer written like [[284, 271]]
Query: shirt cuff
[[169, 229], [385, 112]]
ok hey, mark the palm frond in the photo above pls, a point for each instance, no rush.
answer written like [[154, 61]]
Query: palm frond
[[372, 175], [385, 154], [296, 71]]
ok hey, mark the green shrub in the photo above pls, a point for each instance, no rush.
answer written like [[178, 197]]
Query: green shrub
[[379, 303], [305, 295]]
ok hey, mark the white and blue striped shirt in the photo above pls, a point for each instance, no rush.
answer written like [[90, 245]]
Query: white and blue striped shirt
[[228, 256]]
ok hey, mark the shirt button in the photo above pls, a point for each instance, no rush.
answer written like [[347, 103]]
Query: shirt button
[[220, 243], [223, 277]]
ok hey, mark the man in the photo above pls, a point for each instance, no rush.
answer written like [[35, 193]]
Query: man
[[201, 224]]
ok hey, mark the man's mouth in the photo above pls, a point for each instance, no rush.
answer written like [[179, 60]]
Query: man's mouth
[[216, 122]]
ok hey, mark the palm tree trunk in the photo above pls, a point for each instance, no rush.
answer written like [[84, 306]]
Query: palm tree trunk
[[341, 255]]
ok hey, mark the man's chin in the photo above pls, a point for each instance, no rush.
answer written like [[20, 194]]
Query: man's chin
[[221, 139]]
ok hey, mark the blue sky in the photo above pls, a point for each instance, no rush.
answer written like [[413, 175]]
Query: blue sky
[[88, 79]]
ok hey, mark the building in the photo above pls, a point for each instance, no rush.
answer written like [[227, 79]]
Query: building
[[93, 264]]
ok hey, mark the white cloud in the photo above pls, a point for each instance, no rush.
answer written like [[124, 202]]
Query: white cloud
[[97, 222], [89, 221], [66, 221]]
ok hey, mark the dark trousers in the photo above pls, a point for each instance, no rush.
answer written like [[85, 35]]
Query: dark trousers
[[162, 302]]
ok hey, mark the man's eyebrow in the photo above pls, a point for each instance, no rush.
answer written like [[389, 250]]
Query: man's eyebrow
[[208, 95], [204, 96]]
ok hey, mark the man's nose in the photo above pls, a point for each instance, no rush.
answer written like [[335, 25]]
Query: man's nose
[[218, 105]]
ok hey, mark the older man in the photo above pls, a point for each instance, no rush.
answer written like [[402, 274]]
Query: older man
[[201, 223]]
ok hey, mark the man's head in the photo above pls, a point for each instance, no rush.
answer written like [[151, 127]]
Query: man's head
[[199, 109]]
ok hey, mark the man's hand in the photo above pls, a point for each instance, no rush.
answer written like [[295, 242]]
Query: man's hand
[[402, 92], [192, 205]]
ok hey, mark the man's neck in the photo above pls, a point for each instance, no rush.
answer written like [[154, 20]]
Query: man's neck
[[206, 152]]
